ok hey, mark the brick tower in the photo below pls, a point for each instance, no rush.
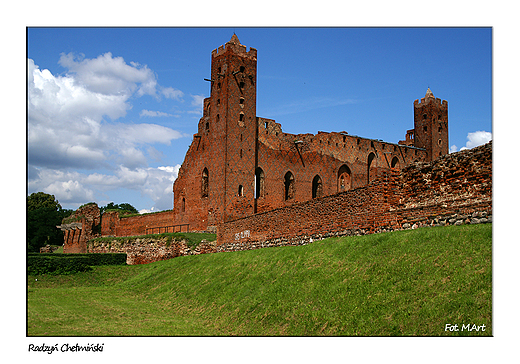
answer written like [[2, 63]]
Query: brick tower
[[233, 111], [216, 180], [431, 125]]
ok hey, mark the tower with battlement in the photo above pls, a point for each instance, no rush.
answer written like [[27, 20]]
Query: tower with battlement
[[431, 125], [216, 180]]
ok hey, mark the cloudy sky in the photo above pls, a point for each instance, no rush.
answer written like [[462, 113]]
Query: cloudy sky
[[112, 111]]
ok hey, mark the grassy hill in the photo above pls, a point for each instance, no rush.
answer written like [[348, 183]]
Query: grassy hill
[[410, 282]]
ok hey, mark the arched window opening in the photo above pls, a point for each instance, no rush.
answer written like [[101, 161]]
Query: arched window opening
[[183, 205], [242, 68], [240, 190], [205, 183], [395, 163], [317, 187], [207, 126], [259, 182], [344, 178], [370, 174], [289, 186]]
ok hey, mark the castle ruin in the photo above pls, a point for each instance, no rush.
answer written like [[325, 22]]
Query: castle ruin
[[241, 173]]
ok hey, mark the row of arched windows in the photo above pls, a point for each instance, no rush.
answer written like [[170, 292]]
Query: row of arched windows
[[344, 181]]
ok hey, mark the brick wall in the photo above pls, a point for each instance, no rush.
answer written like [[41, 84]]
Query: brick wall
[[80, 227], [452, 188]]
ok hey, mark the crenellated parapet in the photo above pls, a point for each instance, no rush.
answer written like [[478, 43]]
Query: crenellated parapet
[[237, 48]]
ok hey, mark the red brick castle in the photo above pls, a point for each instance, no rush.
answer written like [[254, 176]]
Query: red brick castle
[[242, 173], [240, 164]]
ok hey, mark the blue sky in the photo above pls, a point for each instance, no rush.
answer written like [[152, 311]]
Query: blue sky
[[112, 111]]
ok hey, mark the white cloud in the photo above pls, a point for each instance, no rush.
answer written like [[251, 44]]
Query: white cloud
[[153, 113], [66, 114], [474, 140], [79, 188], [110, 75], [73, 124], [171, 93]]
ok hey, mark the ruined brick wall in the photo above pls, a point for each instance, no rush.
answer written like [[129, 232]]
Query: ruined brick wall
[[367, 209], [159, 222], [80, 227], [325, 162], [458, 183], [112, 224], [87, 223], [456, 187]]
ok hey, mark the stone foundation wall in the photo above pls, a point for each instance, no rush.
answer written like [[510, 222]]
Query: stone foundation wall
[[143, 250]]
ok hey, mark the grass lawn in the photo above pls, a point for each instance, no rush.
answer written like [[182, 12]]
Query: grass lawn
[[402, 283]]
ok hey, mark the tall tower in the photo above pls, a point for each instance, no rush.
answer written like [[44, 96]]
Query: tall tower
[[234, 127], [431, 125]]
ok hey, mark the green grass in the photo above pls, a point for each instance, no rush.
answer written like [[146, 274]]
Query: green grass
[[401, 283]]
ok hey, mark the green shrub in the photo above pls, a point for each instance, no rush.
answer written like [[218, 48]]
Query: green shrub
[[52, 263]]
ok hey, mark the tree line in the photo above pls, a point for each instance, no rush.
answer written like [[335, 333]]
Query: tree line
[[44, 213]]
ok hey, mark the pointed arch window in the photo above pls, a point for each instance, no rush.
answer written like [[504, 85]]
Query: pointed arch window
[[344, 178], [205, 183], [317, 187], [370, 171], [395, 163], [288, 186]]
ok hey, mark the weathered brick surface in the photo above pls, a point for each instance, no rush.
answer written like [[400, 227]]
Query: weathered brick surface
[[435, 193], [80, 228]]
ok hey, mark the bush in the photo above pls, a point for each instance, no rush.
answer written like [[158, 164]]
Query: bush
[[52, 263]]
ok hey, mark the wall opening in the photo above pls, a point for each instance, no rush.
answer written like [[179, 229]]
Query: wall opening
[[370, 173], [395, 163], [205, 183], [183, 205], [240, 190], [259, 182], [288, 186], [344, 178], [317, 187]]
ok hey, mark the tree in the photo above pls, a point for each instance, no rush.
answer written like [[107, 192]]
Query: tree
[[44, 213], [124, 208]]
